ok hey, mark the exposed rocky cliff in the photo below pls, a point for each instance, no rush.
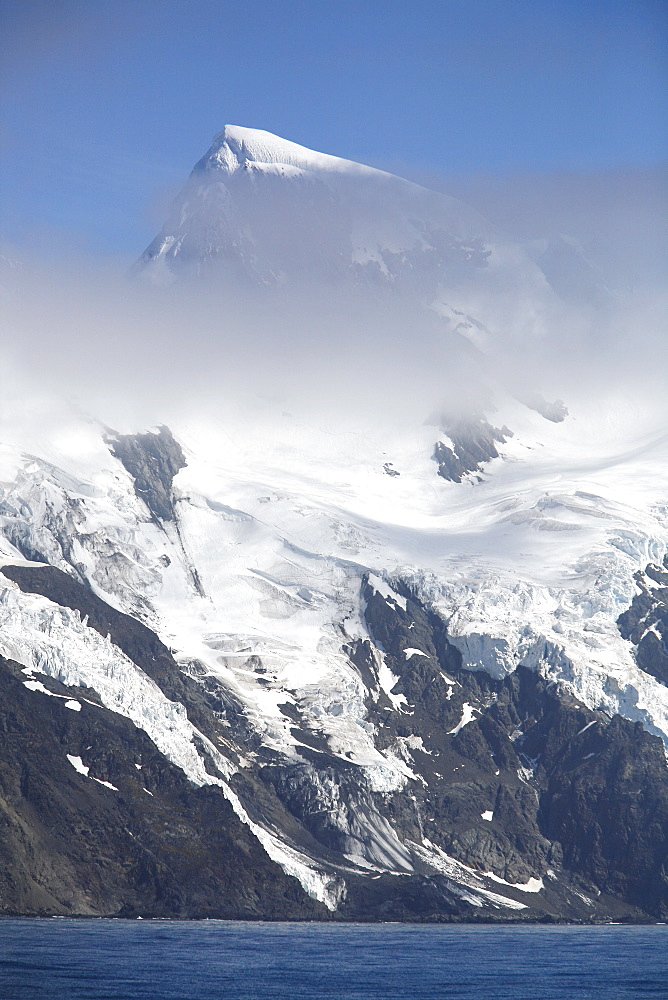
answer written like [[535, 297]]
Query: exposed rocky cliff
[[95, 821], [645, 623], [519, 802]]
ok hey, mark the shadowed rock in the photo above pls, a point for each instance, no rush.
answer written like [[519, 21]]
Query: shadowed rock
[[645, 623], [474, 443], [152, 460]]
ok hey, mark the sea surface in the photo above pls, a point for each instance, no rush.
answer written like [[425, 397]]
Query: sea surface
[[58, 959]]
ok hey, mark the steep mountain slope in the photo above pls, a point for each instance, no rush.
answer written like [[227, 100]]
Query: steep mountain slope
[[377, 661], [271, 214], [277, 210]]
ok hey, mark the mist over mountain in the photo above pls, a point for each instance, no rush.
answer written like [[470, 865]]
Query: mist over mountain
[[334, 538]]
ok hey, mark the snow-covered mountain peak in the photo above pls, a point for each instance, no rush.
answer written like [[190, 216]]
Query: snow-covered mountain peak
[[235, 147], [259, 210], [353, 589]]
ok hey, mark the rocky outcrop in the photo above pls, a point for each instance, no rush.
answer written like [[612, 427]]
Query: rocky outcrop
[[645, 623], [473, 444], [152, 460], [605, 800]]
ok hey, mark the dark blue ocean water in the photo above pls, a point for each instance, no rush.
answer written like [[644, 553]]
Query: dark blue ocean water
[[217, 960]]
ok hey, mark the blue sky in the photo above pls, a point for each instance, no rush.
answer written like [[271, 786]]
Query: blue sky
[[106, 104]]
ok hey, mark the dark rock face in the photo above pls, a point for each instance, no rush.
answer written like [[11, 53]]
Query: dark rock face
[[606, 802], [152, 845], [472, 770], [513, 778], [152, 460], [646, 621], [569, 790], [474, 443]]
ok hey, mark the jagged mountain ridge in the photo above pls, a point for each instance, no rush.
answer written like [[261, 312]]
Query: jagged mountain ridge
[[391, 652], [329, 724]]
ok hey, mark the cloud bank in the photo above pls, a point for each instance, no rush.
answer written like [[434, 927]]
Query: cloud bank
[[134, 355]]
